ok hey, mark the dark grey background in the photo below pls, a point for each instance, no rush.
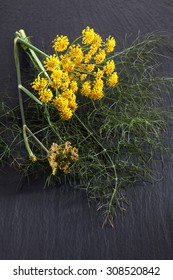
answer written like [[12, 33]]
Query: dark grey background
[[57, 223]]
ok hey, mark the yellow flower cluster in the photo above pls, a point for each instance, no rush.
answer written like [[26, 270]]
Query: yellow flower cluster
[[60, 43], [66, 104], [60, 157], [45, 94], [39, 83], [83, 68]]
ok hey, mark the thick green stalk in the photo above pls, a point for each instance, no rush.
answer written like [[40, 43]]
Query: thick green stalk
[[19, 81], [29, 94], [30, 50], [35, 59], [31, 47], [31, 155]]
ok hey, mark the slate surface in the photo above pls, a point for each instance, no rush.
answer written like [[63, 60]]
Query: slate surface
[[57, 223]]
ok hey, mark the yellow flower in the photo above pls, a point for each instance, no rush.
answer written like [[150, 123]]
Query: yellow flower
[[65, 77], [74, 77], [39, 83], [93, 50], [76, 53], [64, 85], [99, 58], [110, 44], [88, 57], [81, 68], [71, 97], [86, 88], [62, 104], [67, 64], [66, 114], [88, 35], [56, 78], [45, 95], [60, 43], [51, 62], [65, 81], [73, 104], [113, 80], [83, 77], [67, 94], [97, 94], [55, 84], [97, 42], [56, 74], [74, 86], [97, 91], [99, 74], [109, 67], [90, 67]]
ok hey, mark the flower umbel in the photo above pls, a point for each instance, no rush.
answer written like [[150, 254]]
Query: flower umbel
[[88, 35], [60, 43], [113, 80], [83, 69], [110, 44], [39, 83], [109, 67], [45, 95], [51, 62], [61, 157]]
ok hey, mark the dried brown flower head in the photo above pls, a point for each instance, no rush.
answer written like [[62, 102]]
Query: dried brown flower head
[[62, 156]]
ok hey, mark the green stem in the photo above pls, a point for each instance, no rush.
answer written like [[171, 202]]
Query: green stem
[[30, 94], [36, 139], [20, 87], [19, 81], [30, 50], [17, 63], [31, 155], [50, 123], [126, 50], [76, 40], [31, 47], [108, 157]]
